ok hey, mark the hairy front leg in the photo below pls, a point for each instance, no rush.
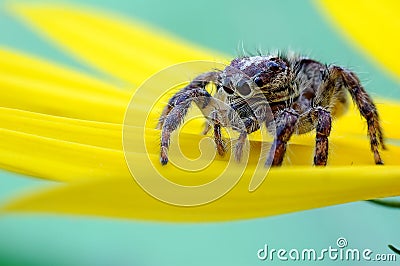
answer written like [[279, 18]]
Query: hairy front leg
[[170, 124], [178, 106], [198, 83]]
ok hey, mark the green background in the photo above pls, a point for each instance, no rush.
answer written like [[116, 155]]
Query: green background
[[27, 239]]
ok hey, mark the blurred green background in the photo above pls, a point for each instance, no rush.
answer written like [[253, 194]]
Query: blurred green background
[[33, 239]]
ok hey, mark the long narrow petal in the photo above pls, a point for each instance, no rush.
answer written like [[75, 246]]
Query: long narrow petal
[[373, 25], [127, 50], [286, 190], [68, 149], [32, 84], [56, 159], [85, 132]]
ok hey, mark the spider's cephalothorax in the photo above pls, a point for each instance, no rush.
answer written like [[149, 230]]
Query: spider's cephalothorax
[[302, 93]]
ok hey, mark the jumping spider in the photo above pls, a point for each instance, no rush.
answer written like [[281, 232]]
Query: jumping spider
[[302, 93]]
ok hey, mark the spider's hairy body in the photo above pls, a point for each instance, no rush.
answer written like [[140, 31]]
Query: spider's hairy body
[[302, 94]]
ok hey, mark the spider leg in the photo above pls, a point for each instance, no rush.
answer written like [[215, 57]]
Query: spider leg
[[167, 109], [199, 82], [174, 113], [218, 139], [349, 80], [239, 146], [207, 127], [219, 142], [250, 125], [324, 124], [285, 126], [320, 118]]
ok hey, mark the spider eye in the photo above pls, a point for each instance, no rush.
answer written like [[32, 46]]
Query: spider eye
[[258, 81], [243, 88], [228, 90], [272, 65]]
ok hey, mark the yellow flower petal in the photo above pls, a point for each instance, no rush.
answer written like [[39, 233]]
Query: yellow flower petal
[[68, 149], [129, 51], [373, 24], [285, 190], [77, 149], [57, 159], [32, 84], [85, 132], [353, 123]]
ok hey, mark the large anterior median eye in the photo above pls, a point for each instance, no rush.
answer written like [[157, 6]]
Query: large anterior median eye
[[258, 81], [273, 66], [243, 88]]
